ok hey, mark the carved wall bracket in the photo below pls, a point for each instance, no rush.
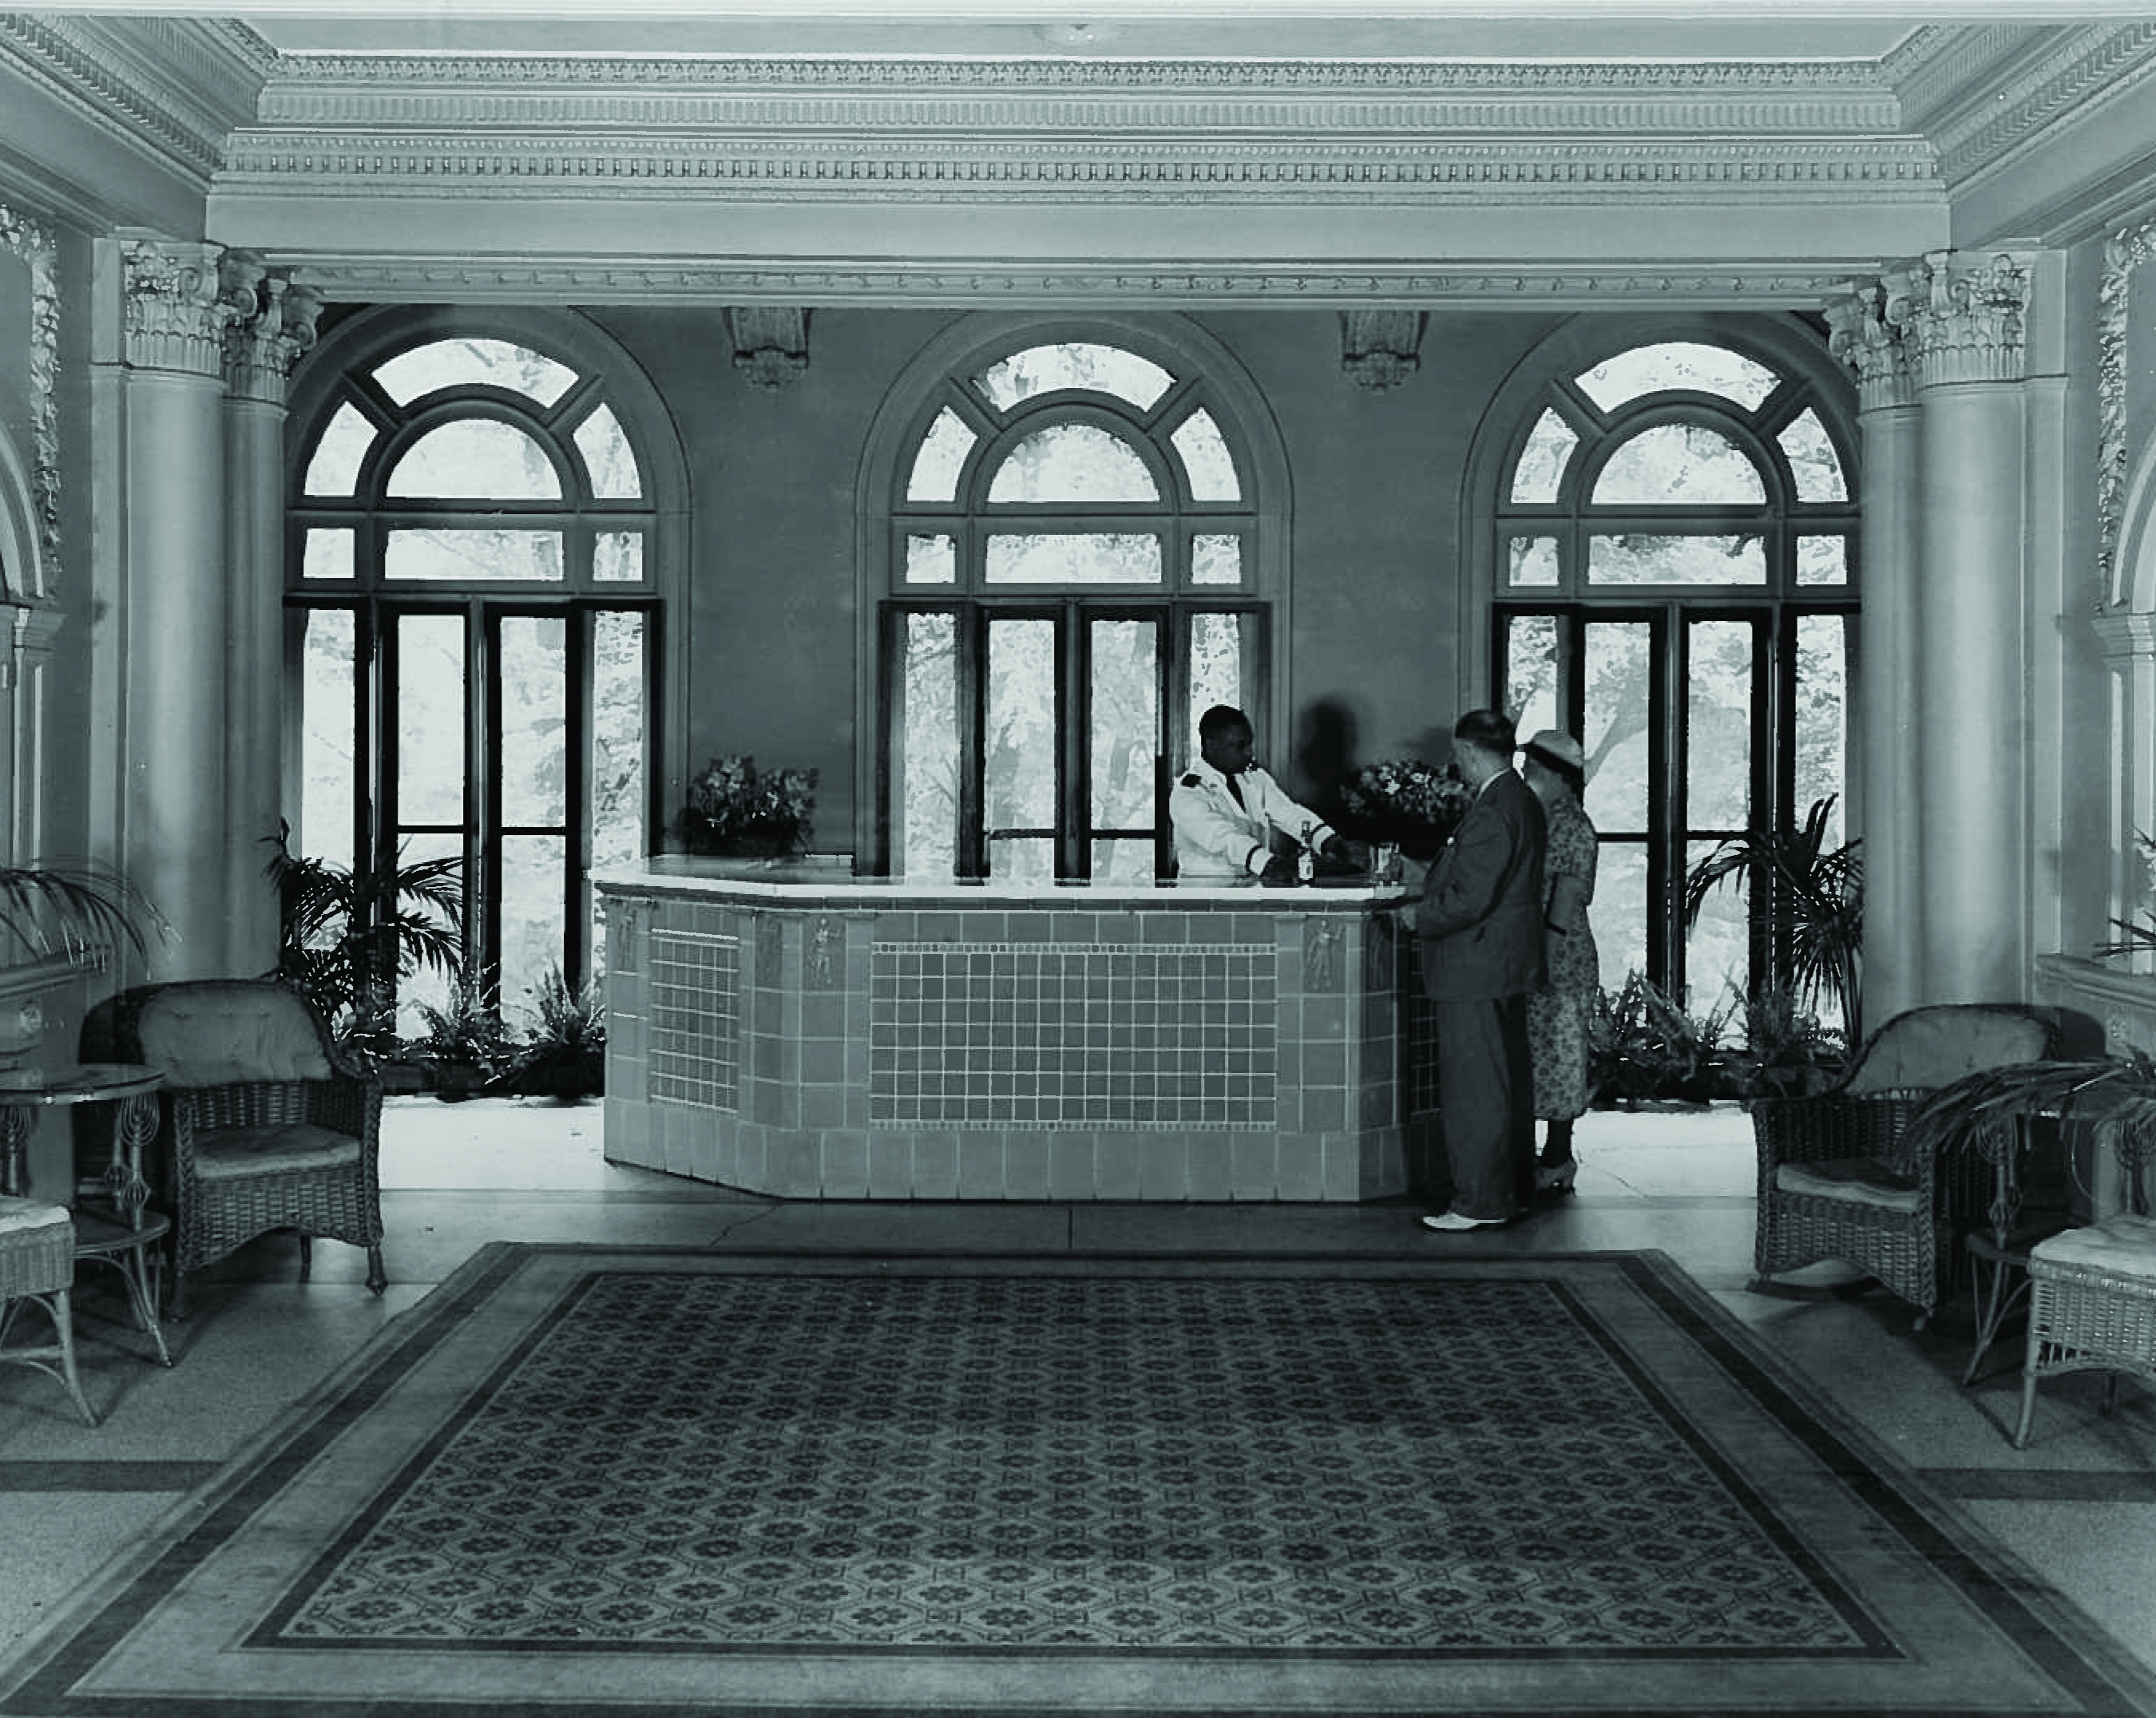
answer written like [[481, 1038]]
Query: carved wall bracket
[[771, 343], [1380, 348]]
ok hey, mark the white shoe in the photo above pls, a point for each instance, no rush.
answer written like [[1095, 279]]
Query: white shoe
[[1452, 1223]]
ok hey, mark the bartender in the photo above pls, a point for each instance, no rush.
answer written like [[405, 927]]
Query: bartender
[[1230, 817]]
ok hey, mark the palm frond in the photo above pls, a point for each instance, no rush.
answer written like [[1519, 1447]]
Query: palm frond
[[1980, 1111], [1810, 895], [81, 904]]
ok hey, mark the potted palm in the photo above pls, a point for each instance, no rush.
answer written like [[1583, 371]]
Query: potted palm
[[348, 936], [1811, 897]]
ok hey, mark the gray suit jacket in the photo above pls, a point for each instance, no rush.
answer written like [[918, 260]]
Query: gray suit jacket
[[1480, 919]]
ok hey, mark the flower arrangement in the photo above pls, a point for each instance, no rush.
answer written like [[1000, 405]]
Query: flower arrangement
[[734, 807], [1406, 800]]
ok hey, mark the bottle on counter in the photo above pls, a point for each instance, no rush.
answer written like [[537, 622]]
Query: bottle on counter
[[1306, 863]]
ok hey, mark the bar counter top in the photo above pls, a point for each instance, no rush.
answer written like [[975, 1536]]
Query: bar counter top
[[813, 882]]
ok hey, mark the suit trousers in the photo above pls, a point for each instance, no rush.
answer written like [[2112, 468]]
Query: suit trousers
[[1486, 1102]]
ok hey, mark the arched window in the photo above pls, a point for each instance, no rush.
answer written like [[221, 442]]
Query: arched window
[[1673, 548], [1075, 568], [477, 515]]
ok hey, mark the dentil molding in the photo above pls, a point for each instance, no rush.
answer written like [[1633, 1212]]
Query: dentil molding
[[1111, 167]]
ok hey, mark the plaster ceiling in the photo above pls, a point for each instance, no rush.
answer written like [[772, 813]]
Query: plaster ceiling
[[1564, 30]]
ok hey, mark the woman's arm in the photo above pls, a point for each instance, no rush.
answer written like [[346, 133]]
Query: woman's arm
[[1567, 900]]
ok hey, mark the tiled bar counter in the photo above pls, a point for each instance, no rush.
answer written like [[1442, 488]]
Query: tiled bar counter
[[798, 1031]]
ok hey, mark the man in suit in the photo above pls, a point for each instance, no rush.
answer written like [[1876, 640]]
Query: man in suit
[[1480, 924]]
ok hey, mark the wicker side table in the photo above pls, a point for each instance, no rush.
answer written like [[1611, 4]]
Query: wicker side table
[[36, 1263], [113, 1223], [2091, 1306]]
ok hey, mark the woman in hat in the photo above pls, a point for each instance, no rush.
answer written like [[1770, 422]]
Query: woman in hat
[[1555, 768]]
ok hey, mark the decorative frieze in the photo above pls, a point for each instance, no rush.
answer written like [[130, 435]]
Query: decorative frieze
[[2124, 254], [380, 277], [174, 306], [771, 343], [1963, 318], [1380, 348], [31, 242]]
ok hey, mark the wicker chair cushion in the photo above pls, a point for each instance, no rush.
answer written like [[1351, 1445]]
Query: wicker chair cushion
[[224, 1152], [1927, 1047], [2121, 1246], [1860, 1181], [214, 1032], [24, 1217]]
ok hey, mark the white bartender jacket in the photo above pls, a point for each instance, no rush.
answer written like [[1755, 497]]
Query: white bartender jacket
[[1217, 840]]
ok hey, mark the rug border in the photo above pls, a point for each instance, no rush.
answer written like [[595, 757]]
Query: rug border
[[2067, 1645]]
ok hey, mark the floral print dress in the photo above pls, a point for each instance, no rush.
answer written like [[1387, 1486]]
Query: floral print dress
[[1558, 1015]]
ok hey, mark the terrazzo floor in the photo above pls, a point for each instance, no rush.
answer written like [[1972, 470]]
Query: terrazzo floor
[[2078, 1505]]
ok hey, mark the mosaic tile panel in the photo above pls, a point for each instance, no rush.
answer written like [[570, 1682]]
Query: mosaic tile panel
[[695, 1001], [1253, 1464], [1088, 1036]]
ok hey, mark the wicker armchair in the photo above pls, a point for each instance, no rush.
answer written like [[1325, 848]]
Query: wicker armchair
[[268, 1126], [1836, 1181]]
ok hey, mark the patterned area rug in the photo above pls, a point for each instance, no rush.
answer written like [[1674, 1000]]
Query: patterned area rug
[[612, 1480]]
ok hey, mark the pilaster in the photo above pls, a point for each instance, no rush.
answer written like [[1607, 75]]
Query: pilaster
[[273, 324], [1886, 801]]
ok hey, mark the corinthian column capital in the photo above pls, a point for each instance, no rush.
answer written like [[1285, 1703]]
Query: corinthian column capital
[[1965, 318], [272, 323], [174, 305], [1861, 337]]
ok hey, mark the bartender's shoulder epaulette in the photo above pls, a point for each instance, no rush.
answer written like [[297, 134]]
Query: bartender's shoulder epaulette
[[1190, 780]]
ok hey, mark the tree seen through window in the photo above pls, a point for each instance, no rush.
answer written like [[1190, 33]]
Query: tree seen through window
[[1676, 583]]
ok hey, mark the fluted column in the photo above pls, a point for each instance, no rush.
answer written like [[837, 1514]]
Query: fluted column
[[1885, 803], [162, 320], [1963, 323], [272, 324]]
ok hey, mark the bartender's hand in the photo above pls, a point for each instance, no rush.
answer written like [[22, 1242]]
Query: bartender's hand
[[1280, 868], [1344, 858]]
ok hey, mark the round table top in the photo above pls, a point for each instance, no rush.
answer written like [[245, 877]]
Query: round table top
[[78, 1083]]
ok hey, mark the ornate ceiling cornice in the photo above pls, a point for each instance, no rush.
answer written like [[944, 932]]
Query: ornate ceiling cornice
[[171, 87], [2058, 78], [1929, 71], [374, 277]]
